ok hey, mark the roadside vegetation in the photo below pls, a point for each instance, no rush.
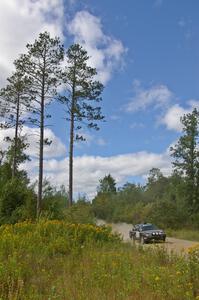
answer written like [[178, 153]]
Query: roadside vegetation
[[57, 260], [185, 234]]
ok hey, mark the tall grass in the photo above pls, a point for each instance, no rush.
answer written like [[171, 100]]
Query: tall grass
[[55, 260], [185, 234]]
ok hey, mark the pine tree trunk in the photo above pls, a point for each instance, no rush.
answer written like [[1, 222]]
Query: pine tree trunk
[[70, 194], [16, 138], [41, 147], [71, 160]]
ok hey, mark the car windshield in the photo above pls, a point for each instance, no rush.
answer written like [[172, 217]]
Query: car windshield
[[149, 227]]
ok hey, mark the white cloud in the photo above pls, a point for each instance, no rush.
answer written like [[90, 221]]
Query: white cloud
[[158, 96], [114, 117], [89, 139], [101, 142], [56, 149], [137, 125], [89, 169], [20, 23], [22, 20], [106, 53], [174, 113], [158, 2], [182, 22]]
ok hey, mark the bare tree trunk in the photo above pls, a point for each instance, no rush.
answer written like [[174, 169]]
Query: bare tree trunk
[[16, 138], [41, 148], [70, 194], [41, 145], [71, 159]]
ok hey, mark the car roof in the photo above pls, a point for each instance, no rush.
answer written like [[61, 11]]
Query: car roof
[[142, 224]]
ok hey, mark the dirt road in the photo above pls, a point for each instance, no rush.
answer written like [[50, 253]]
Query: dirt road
[[172, 244]]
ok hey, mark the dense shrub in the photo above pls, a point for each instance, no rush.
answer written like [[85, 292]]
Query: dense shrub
[[80, 212], [17, 202]]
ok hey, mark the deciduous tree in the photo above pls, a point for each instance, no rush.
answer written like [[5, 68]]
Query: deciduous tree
[[186, 155]]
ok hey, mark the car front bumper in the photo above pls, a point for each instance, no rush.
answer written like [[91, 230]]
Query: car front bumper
[[154, 238]]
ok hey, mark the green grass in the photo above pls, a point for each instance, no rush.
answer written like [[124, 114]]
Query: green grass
[[54, 260], [185, 234]]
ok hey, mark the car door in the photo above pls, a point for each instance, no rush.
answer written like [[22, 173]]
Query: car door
[[137, 233]]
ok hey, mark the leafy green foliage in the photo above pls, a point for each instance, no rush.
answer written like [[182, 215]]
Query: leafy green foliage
[[186, 156], [107, 185], [162, 201], [80, 212], [17, 202]]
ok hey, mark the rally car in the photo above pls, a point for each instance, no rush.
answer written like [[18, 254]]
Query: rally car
[[147, 232]]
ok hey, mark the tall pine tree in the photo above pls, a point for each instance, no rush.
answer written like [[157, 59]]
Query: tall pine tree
[[42, 66], [15, 100], [82, 92]]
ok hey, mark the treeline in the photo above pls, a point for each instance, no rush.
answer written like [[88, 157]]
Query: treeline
[[170, 202], [46, 72]]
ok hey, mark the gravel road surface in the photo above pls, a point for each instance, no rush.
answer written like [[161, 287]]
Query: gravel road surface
[[172, 244]]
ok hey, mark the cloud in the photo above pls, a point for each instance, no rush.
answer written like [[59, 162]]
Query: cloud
[[22, 20], [101, 142], [56, 149], [89, 139], [89, 169], [158, 2], [158, 96], [175, 112], [20, 23], [114, 117], [182, 23], [106, 53], [136, 125]]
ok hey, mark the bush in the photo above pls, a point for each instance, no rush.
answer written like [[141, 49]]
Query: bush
[[80, 212], [17, 202]]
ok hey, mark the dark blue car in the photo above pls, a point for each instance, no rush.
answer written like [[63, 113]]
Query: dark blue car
[[146, 233]]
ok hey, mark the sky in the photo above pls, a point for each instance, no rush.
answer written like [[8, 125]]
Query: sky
[[146, 53]]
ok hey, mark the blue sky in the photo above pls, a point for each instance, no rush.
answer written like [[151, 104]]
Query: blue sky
[[147, 55]]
